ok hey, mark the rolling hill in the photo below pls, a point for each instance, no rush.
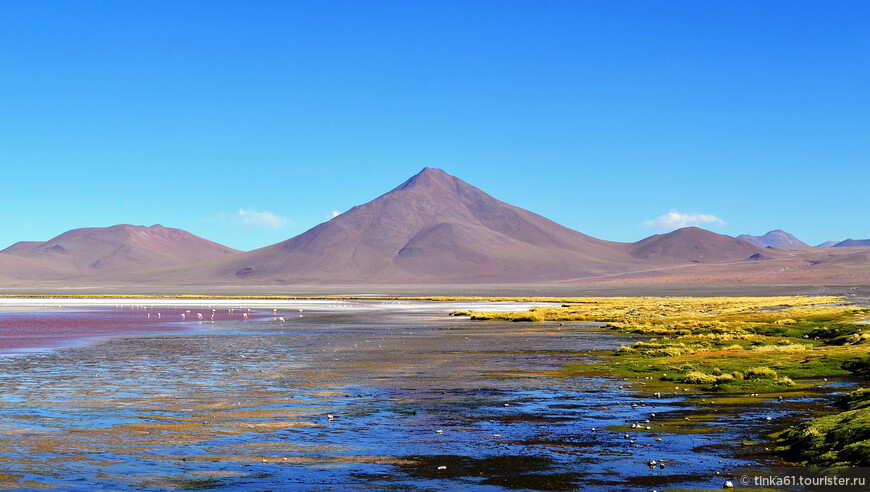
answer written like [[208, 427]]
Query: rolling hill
[[120, 248], [852, 243], [695, 245], [776, 239]]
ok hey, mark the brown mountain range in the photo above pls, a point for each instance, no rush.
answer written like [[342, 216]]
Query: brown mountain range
[[433, 228]]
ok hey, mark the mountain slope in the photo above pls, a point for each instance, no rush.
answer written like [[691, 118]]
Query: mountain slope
[[431, 227], [695, 245], [119, 248], [14, 269], [777, 239]]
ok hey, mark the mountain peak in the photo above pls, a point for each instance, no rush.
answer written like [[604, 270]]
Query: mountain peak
[[433, 226], [428, 177]]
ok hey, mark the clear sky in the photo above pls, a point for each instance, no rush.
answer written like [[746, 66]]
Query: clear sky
[[249, 122]]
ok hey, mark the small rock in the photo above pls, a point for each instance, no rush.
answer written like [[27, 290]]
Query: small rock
[[728, 485]]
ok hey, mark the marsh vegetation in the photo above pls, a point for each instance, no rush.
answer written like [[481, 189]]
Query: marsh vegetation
[[755, 348]]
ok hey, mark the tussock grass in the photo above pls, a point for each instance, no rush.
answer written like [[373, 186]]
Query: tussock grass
[[760, 371]]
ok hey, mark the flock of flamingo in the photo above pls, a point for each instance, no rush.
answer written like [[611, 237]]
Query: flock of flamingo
[[200, 317]]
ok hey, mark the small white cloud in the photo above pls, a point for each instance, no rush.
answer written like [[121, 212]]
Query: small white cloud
[[335, 213], [676, 220], [264, 220]]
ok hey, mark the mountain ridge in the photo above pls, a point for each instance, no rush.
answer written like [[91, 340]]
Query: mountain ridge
[[431, 228]]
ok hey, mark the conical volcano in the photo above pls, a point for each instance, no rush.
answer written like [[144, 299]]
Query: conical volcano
[[431, 227]]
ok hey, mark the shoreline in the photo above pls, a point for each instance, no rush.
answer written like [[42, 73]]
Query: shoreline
[[90, 320], [441, 290]]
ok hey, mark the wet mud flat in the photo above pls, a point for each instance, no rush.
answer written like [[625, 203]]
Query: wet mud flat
[[374, 395]]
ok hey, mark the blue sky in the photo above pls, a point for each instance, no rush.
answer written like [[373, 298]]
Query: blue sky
[[249, 122]]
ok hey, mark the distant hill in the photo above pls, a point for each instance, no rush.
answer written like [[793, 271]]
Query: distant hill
[[849, 243], [695, 245], [828, 244], [431, 227], [776, 239], [119, 248]]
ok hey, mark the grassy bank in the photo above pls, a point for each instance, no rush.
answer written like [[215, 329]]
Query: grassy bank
[[744, 348]]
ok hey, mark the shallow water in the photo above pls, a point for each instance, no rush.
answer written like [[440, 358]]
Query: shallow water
[[417, 399]]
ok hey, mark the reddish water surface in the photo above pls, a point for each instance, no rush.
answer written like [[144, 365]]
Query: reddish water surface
[[24, 330]]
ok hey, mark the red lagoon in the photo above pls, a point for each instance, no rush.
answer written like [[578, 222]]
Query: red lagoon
[[58, 327]]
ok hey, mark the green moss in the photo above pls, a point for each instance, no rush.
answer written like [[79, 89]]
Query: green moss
[[841, 439]]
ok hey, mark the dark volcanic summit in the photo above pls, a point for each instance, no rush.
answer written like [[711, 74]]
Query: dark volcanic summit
[[432, 226]]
